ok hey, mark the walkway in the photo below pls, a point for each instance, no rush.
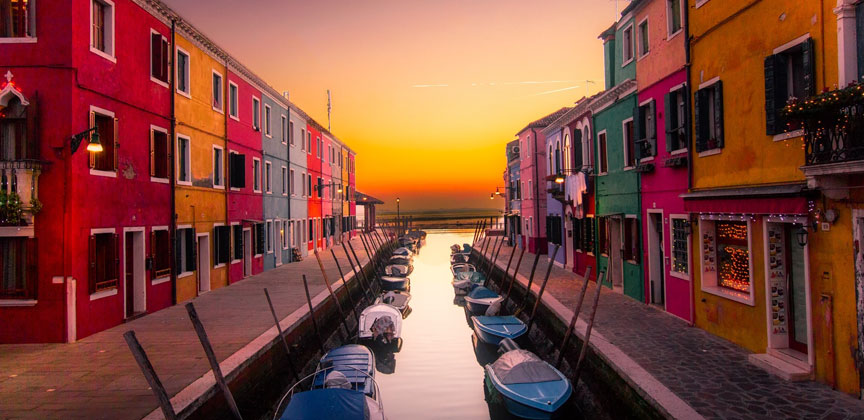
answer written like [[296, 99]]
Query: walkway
[[97, 377], [679, 367]]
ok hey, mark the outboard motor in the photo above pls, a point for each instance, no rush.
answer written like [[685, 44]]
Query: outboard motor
[[507, 345]]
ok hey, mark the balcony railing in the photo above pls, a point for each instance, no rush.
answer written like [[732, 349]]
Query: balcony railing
[[833, 125]]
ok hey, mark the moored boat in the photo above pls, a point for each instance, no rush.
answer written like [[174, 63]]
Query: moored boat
[[395, 298], [398, 270], [493, 329], [355, 362], [461, 268], [395, 282], [464, 282], [403, 251], [479, 300], [381, 324], [459, 258]]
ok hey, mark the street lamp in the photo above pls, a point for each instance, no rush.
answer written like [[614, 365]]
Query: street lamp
[[93, 144]]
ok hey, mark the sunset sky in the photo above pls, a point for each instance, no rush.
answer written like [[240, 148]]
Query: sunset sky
[[427, 92]]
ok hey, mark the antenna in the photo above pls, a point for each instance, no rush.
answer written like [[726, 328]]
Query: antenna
[[329, 107], [588, 82]]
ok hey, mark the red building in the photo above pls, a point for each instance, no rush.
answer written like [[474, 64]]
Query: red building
[[314, 178], [74, 261]]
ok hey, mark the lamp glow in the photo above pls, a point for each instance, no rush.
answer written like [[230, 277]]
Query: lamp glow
[[559, 180]]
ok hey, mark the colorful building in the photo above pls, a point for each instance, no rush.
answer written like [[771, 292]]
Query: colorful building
[[313, 180], [512, 194], [558, 158], [299, 209], [274, 138]]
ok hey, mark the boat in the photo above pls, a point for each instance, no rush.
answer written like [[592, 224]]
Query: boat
[[403, 251], [395, 282], [400, 260], [464, 282], [396, 299], [459, 258], [493, 329], [461, 268], [381, 324], [398, 270], [530, 387], [355, 362], [479, 300]]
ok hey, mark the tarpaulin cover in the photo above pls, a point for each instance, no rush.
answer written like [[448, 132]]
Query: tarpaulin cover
[[482, 293], [332, 403], [523, 367], [474, 276]]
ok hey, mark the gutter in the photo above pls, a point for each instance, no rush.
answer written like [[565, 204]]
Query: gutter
[[690, 91], [172, 227]]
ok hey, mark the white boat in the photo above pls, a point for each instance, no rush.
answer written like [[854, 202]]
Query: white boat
[[461, 268], [396, 299], [381, 324], [398, 270]]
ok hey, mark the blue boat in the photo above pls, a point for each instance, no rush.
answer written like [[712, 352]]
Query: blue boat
[[355, 362], [531, 388], [493, 329], [332, 403], [479, 300]]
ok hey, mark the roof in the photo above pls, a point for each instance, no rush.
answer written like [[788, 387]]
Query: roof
[[635, 4], [543, 122], [581, 107], [609, 32], [365, 199]]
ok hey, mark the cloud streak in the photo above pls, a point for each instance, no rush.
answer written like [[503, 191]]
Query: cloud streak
[[429, 86], [549, 92]]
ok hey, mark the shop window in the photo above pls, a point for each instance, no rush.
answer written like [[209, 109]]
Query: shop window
[[238, 242], [106, 125], [160, 242], [17, 18], [221, 245], [788, 74], [183, 72], [185, 250], [680, 246], [733, 256], [645, 127], [159, 65], [159, 159], [237, 170], [104, 262], [677, 113], [18, 268], [708, 122], [18, 125], [631, 238], [629, 144]]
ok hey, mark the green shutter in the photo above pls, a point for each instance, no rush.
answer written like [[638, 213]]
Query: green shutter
[[667, 119], [698, 108], [718, 112], [651, 126], [809, 58], [775, 92]]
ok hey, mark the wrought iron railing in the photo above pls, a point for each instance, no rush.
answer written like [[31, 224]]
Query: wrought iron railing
[[833, 124]]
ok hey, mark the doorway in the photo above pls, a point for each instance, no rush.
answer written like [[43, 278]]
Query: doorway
[[656, 258], [203, 263], [134, 273], [858, 244], [616, 267], [788, 290], [247, 252]]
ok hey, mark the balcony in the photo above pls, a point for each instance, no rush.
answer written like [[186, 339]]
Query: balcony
[[557, 192], [19, 194]]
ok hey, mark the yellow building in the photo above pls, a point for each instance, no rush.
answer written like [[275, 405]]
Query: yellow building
[[200, 166], [762, 277]]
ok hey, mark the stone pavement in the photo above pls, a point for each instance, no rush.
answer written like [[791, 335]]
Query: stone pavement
[[708, 373], [97, 377]]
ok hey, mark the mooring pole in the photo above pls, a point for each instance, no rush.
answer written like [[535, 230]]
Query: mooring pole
[[282, 337], [585, 342], [575, 317], [334, 296], [506, 271], [211, 357], [362, 272], [368, 255], [357, 276], [150, 375], [347, 289], [515, 273], [476, 230], [495, 257], [530, 282], [312, 315], [542, 289]]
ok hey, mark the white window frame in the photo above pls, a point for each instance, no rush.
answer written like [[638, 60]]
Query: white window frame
[[286, 234], [268, 177], [256, 174], [188, 158], [231, 236], [642, 54], [624, 143], [624, 60], [268, 114], [672, 272], [682, 5], [150, 42], [167, 277], [318, 149], [213, 174], [213, 244], [256, 105], [708, 282], [164, 131], [291, 183], [188, 92], [221, 108], [31, 17], [181, 274], [309, 143], [268, 236], [234, 101], [110, 32], [284, 180], [302, 139]]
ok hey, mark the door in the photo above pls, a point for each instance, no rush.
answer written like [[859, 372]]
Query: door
[[616, 268], [277, 247], [134, 273], [129, 274], [203, 263], [858, 243], [797, 295], [247, 252], [656, 255]]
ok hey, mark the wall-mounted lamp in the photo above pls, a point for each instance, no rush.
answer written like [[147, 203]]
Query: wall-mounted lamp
[[801, 236], [94, 145]]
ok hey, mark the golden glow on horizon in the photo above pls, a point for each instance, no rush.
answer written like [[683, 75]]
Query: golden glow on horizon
[[426, 92]]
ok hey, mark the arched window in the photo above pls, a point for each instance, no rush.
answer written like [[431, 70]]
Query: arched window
[[558, 157], [587, 157], [550, 169], [568, 158], [13, 131]]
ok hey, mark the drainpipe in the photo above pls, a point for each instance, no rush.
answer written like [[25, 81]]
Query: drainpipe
[[690, 91], [288, 158], [536, 184], [225, 180], [172, 234]]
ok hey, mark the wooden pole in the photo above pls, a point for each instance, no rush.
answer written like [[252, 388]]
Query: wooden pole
[[282, 337], [359, 278], [347, 289], [542, 288], [506, 270], [585, 342], [362, 271], [211, 357], [312, 315], [530, 282], [575, 317], [515, 273], [334, 296], [150, 375], [368, 255], [476, 232], [495, 257]]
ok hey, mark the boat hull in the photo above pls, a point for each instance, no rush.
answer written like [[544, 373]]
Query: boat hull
[[479, 306], [394, 283], [491, 333], [523, 410]]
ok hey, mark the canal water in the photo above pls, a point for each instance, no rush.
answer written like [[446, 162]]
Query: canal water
[[436, 374]]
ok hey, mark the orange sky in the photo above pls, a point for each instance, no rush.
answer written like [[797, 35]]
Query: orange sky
[[386, 62]]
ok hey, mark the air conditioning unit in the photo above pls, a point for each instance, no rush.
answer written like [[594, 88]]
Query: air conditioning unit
[[516, 150]]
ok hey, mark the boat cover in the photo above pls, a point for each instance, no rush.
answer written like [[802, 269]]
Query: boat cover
[[383, 326], [523, 367], [482, 293], [499, 320], [337, 379], [395, 299], [472, 276], [332, 403]]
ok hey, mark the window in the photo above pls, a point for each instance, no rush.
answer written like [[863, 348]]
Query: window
[[256, 174], [159, 66], [106, 125], [553, 229], [237, 170], [291, 182], [627, 46], [160, 241], [238, 242], [184, 253], [309, 142], [16, 141], [318, 148], [104, 262], [311, 224], [629, 144], [601, 147], [677, 113], [302, 139], [18, 268], [269, 236], [789, 73], [221, 245], [708, 111], [159, 159], [283, 129], [631, 239], [303, 183], [309, 185], [680, 246], [733, 255], [17, 18], [318, 187], [184, 171], [644, 45], [646, 130], [260, 239], [673, 12], [284, 181], [603, 235], [232, 100], [102, 28], [268, 176], [291, 132], [182, 72], [530, 189], [256, 114], [217, 91], [218, 167], [267, 118]]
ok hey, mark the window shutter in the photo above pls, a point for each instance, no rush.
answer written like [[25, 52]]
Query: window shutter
[[775, 92], [32, 268], [92, 125], [179, 236], [116, 144], [116, 259], [638, 135], [152, 153], [191, 251], [156, 55], [32, 149], [667, 118], [698, 108], [166, 73], [809, 57], [684, 126], [718, 113], [651, 128], [91, 259], [153, 254]]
